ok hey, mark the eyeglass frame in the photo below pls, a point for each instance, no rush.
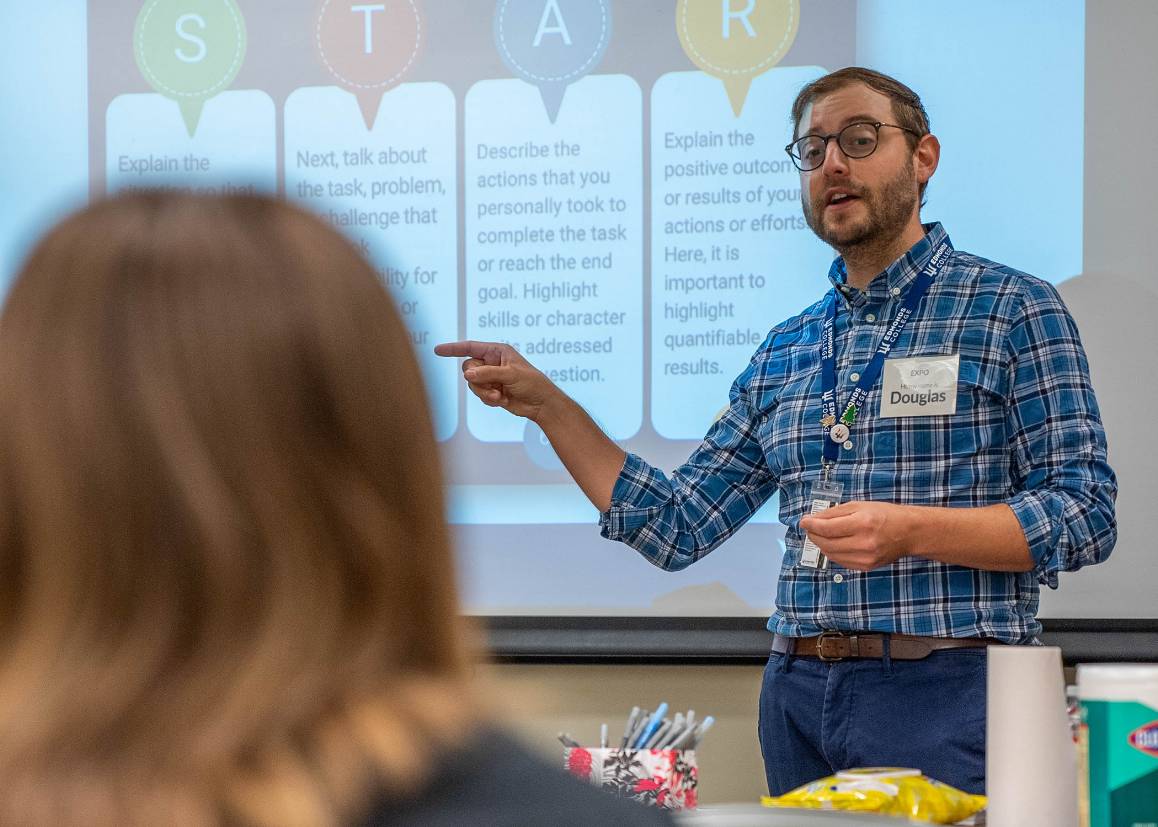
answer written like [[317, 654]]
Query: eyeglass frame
[[876, 125]]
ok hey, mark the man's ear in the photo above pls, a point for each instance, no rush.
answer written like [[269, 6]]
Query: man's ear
[[926, 157]]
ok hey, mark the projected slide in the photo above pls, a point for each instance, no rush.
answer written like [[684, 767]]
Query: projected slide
[[601, 183], [554, 260]]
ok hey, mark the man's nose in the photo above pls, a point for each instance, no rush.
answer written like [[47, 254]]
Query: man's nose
[[835, 161]]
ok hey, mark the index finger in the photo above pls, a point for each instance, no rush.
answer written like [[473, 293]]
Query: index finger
[[475, 350]]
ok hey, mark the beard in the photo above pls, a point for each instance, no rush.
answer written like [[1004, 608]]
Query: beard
[[887, 213]]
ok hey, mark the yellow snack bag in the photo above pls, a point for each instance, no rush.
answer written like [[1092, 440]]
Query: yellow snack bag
[[887, 790]]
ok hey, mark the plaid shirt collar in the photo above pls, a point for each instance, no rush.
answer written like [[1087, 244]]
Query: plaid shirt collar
[[895, 279]]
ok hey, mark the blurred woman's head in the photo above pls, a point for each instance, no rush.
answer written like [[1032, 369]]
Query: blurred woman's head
[[227, 590]]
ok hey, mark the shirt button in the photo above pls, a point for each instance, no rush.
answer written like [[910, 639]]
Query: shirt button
[[848, 445], [854, 377], [870, 317], [838, 578], [896, 291]]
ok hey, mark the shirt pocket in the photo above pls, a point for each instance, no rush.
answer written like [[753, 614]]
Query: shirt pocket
[[981, 381], [982, 403]]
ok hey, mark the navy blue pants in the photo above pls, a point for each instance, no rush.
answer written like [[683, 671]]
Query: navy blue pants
[[817, 718]]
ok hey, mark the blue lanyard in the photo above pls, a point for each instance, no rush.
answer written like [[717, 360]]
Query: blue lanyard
[[836, 432]]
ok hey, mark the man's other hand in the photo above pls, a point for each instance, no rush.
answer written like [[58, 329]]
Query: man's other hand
[[861, 535]]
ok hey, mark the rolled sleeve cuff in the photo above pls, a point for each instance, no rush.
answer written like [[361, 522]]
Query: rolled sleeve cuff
[[1041, 535], [633, 499]]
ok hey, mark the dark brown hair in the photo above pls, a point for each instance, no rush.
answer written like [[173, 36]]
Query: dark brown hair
[[226, 586], [908, 111]]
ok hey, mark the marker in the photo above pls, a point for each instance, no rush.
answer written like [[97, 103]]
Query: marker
[[678, 739], [692, 735], [631, 719], [660, 733], [685, 736], [677, 725], [652, 725], [603, 736], [691, 721], [639, 727], [703, 727]]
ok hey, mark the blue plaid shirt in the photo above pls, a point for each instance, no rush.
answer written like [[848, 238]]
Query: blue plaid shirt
[[1026, 433]]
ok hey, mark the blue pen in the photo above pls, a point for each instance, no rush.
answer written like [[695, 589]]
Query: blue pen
[[652, 725]]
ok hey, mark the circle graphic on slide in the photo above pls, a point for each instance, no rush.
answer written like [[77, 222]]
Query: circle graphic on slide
[[552, 43], [736, 41], [369, 48], [539, 449], [189, 50]]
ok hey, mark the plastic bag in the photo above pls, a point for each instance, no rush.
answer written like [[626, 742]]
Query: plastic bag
[[886, 790]]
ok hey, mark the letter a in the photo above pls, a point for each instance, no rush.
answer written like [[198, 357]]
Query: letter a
[[560, 27], [741, 15]]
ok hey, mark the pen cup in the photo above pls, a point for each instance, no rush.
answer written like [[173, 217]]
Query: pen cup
[[666, 778]]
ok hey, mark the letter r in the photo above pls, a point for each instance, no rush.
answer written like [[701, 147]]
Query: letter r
[[741, 15]]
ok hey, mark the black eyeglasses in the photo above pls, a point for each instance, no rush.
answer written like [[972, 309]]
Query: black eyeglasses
[[857, 140]]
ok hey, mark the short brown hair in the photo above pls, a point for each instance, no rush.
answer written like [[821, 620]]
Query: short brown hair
[[908, 110], [226, 585]]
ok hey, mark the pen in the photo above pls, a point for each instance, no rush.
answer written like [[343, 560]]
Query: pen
[[603, 736], [690, 722], [685, 739], [652, 725], [677, 726], [660, 734], [704, 726], [685, 736], [631, 719], [639, 727], [567, 740], [678, 739]]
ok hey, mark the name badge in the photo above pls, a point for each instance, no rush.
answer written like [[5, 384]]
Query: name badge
[[825, 494], [920, 386]]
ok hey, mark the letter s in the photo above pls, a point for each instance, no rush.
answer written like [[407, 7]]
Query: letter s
[[202, 50]]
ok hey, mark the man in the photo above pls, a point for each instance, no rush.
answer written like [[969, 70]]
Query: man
[[933, 408]]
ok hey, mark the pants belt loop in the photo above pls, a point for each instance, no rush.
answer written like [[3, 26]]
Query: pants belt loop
[[886, 653]]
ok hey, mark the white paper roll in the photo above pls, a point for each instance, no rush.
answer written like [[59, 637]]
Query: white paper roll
[[1030, 757]]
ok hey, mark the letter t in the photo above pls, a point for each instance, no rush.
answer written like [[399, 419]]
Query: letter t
[[368, 11]]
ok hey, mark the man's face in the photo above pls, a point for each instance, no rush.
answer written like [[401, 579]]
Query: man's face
[[850, 202]]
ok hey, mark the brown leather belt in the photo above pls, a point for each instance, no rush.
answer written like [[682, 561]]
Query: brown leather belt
[[832, 646]]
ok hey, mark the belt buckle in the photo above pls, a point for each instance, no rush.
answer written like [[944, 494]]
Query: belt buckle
[[820, 646]]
